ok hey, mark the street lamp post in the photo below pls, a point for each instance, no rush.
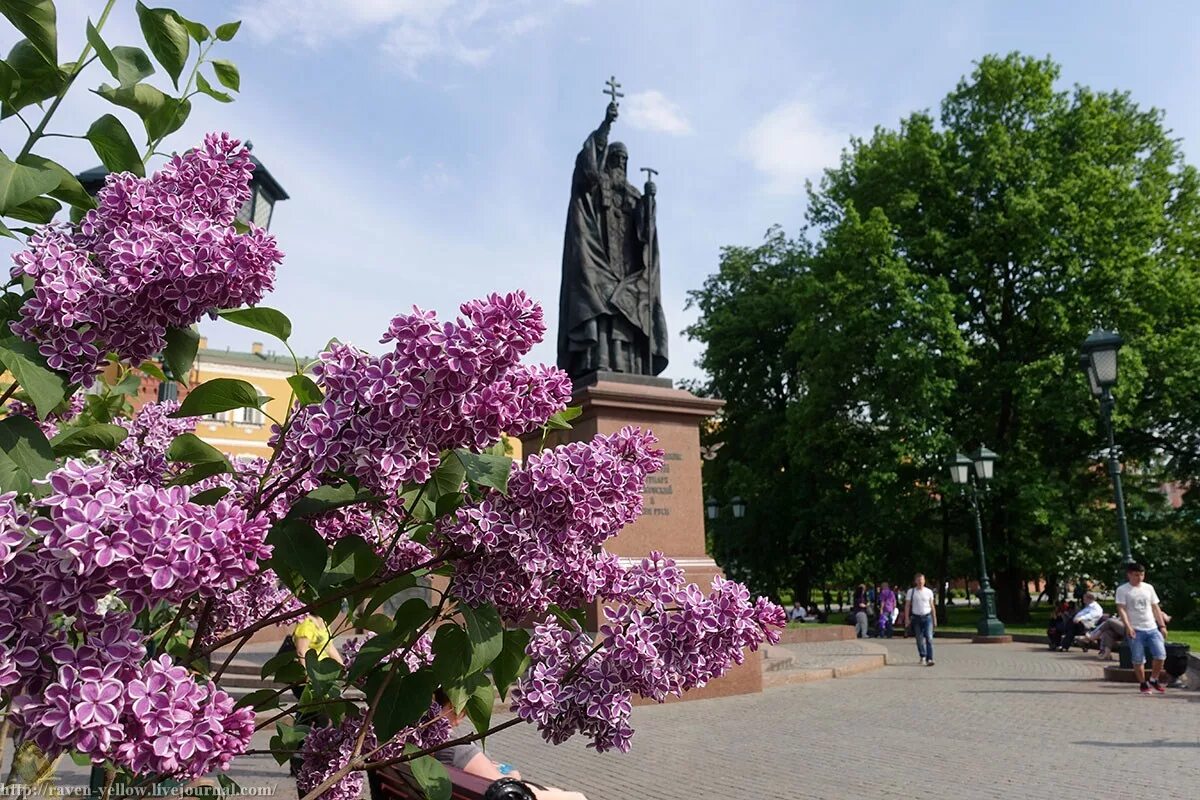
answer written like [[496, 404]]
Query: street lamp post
[[971, 472], [1098, 359]]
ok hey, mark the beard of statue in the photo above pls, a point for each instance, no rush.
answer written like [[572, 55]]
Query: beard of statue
[[616, 169]]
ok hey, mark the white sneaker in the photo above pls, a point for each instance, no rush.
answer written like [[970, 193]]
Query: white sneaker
[[922, 661]]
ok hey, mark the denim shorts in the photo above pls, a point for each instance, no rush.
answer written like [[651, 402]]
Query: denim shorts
[[1151, 640]]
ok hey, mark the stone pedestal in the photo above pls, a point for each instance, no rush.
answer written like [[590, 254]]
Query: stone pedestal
[[672, 520]]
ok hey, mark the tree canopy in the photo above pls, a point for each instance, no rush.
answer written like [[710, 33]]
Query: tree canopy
[[936, 299]]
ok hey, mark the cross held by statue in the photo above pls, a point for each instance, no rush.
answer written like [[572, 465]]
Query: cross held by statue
[[650, 173], [611, 91]]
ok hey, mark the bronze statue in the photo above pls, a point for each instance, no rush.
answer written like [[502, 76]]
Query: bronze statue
[[610, 306]]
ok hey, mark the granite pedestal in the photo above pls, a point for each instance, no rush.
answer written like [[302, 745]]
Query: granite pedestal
[[672, 520]]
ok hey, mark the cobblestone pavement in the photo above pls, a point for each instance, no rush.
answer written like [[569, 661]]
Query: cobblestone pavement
[[989, 721]]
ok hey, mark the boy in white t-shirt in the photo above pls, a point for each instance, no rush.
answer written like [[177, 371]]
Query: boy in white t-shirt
[[1145, 627]]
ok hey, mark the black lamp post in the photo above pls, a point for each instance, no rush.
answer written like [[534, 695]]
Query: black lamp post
[[1098, 359], [970, 472], [712, 508]]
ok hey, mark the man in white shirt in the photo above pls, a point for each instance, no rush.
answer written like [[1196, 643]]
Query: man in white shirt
[[920, 609], [1145, 627], [1084, 620], [797, 612]]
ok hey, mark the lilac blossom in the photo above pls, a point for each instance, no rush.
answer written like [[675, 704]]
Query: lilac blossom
[[157, 253], [541, 544], [385, 419]]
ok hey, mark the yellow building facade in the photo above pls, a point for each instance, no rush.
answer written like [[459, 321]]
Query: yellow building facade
[[244, 431]]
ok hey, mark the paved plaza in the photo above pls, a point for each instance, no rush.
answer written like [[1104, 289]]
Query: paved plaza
[[989, 721]]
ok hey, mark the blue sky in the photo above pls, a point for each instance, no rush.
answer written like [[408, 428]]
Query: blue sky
[[428, 144]]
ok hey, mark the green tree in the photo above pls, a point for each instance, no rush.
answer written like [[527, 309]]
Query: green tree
[[950, 271]]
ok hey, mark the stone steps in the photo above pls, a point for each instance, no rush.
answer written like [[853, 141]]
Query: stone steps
[[784, 665]]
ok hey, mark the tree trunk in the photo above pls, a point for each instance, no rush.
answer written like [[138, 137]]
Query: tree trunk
[[1012, 598]]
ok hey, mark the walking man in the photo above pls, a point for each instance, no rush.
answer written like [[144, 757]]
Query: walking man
[[1145, 627], [921, 611]]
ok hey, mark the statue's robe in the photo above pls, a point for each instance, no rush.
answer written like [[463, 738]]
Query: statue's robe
[[610, 305]]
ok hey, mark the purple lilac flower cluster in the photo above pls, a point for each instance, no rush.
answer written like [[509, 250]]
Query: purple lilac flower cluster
[[142, 456], [542, 543], [385, 419], [157, 253], [150, 718], [325, 751], [668, 637], [70, 409], [150, 544], [380, 525], [255, 599]]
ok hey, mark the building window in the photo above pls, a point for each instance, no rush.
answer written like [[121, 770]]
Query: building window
[[250, 416]]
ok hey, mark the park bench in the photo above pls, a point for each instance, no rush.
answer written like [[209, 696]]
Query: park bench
[[398, 783]]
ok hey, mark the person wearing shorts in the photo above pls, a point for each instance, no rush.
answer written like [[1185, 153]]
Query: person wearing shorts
[[1145, 627]]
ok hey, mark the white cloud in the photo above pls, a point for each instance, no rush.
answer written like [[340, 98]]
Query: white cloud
[[410, 32], [790, 144], [652, 111]]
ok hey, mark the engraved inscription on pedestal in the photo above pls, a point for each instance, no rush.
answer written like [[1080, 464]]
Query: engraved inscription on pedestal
[[657, 497]]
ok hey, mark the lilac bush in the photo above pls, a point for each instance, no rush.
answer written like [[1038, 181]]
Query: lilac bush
[[134, 558]]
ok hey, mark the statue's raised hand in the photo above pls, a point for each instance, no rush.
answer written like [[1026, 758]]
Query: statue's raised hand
[[610, 114]]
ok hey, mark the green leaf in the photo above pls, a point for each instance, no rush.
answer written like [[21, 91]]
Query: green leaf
[[376, 623], [142, 99], [486, 470], [327, 498], [45, 387], [151, 369], [512, 661], [217, 395], [38, 80], [198, 472], [209, 496], [446, 479], [451, 654], [77, 441], [351, 559], [36, 20], [561, 421], [432, 776], [259, 700], [113, 145], [408, 619], [298, 546], [228, 30], [227, 73], [306, 390], [322, 672], [205, 87], [25, 455], [229, 787], [260, 318], [132, 65], [39, 210], [196, 30], [180, 352], [19, 184], [404, 703], [167, 35], [375, 598], [102, 52], [480, 703], [130, 385], [192, 449], [69, 190], [127, 64], [168, 119], [486, 634]]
